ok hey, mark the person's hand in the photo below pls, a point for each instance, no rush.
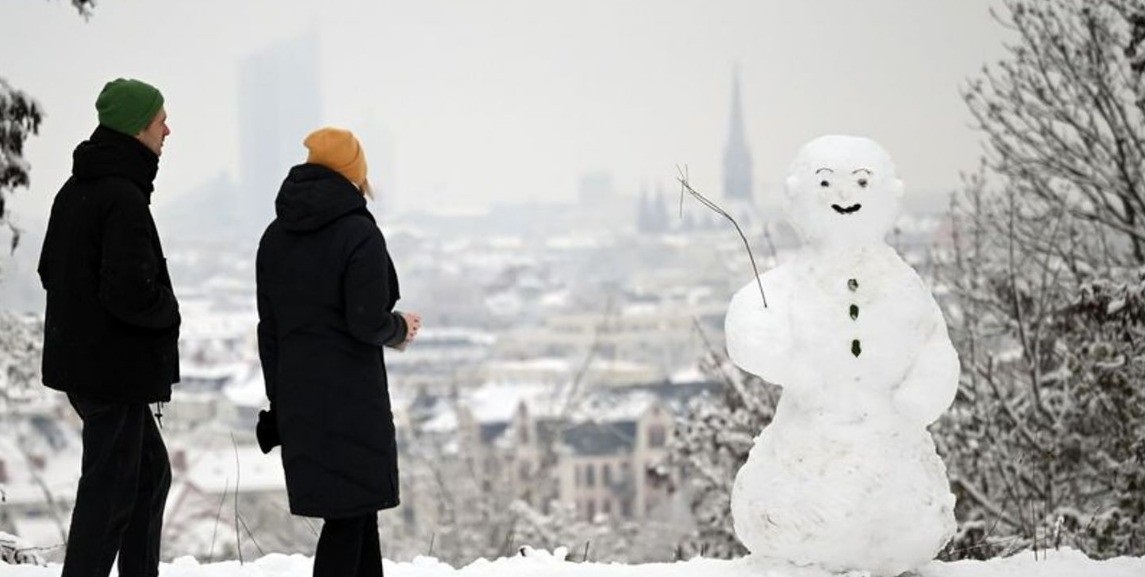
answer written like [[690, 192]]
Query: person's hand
[[413, 325]]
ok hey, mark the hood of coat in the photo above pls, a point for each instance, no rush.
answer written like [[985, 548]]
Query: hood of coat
[[313, 196], [110, 153]]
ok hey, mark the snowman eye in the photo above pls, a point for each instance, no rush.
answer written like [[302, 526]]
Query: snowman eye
[[863, 182], [824, 183]]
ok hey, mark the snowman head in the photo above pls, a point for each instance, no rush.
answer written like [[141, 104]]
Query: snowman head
[[842, 191]]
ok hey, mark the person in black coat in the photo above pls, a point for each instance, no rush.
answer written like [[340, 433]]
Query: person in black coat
[[111, 331], [326, 292]]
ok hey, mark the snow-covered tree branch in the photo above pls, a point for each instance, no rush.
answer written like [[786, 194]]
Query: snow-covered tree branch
[[1046, 436]]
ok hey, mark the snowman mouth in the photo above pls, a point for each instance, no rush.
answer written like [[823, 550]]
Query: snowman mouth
[[847, 209]]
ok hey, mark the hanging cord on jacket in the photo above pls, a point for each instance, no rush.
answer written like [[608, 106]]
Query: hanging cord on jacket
[[159, 413]]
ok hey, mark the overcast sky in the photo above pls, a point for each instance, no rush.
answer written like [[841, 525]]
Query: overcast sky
[[482, 101]]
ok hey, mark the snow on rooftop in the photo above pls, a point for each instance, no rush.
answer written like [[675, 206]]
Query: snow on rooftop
[[577, 242], [556, 299], [248, 391], [200, 321], [627, 406], [456, 334], [551, 365], [640, 309], [496, 402], [506, 242], [686, 375], [441, 422], [212, 371], [214, 469]]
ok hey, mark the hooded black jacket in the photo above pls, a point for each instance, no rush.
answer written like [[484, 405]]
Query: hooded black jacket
[[326, 292], [111, 328]]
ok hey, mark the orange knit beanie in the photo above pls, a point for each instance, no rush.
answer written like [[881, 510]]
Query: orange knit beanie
[[338, 150]]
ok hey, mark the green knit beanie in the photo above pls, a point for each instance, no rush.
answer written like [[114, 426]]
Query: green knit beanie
[[128, 105]]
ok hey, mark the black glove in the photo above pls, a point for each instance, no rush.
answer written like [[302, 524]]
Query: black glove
[[267, 431]]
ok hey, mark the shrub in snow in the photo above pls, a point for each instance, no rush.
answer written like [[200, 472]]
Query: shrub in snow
[[1047, 447], [19, 118], [1044, 443], [711, 443], [21, 345], [16, 551]]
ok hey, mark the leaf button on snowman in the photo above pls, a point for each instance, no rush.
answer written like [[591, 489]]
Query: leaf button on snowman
[[846, 476]]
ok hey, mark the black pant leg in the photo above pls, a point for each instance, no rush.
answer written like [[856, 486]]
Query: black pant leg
[[339, 548], [371, 559], [112, 444], [139, 551]]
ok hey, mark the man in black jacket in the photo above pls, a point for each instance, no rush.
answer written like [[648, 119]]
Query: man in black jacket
[[111, 332]]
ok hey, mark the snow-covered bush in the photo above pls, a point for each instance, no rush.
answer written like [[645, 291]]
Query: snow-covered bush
[[19, 118], [21, 344], [1045, 444], [16, 551], [711, 444]]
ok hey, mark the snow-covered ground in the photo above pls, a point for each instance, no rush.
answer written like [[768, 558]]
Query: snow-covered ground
[[1064, 563]]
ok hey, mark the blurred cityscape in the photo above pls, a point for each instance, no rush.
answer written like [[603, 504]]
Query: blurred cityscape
[[561, 346]]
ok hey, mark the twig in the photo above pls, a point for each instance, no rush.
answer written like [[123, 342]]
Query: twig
[[770, 242], [238, 473], [508, 542], [1034, 522], [215, 531], [1058, 532], [250, 534], [685, 187], [310, 525]]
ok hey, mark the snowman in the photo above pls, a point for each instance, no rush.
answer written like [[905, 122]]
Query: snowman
[[846, 476]]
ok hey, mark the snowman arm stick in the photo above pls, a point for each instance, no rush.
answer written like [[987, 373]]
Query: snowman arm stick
[[930, 384], [685, 187]]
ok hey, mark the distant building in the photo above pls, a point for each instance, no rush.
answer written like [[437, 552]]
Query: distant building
[[652, 210], [279, 104], [737, 157], [603, 453], [652, 213], [739, 201]]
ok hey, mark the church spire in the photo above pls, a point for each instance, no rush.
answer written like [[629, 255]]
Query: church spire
[[737, 157]]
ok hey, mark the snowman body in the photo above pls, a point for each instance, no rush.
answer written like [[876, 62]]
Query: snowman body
[[846, 476]]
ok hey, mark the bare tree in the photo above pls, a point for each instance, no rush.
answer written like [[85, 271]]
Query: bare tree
[[1046, 440], [1061, 114], [20, 117]]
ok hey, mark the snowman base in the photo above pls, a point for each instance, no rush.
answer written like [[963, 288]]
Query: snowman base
[[863, 500]]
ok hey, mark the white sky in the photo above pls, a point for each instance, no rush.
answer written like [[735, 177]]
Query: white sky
[[504, 100]]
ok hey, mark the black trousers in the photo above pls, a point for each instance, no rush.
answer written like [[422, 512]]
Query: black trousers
[[122, 491], [349, 548]]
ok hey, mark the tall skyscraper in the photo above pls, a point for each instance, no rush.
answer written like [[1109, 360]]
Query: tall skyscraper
[[279, 104], [737, 157]]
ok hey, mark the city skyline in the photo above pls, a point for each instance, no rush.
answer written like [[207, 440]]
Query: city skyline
[[466, 108]]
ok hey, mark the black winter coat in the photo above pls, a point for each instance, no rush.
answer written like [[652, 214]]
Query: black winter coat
[[111, 327], [326, 292]]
